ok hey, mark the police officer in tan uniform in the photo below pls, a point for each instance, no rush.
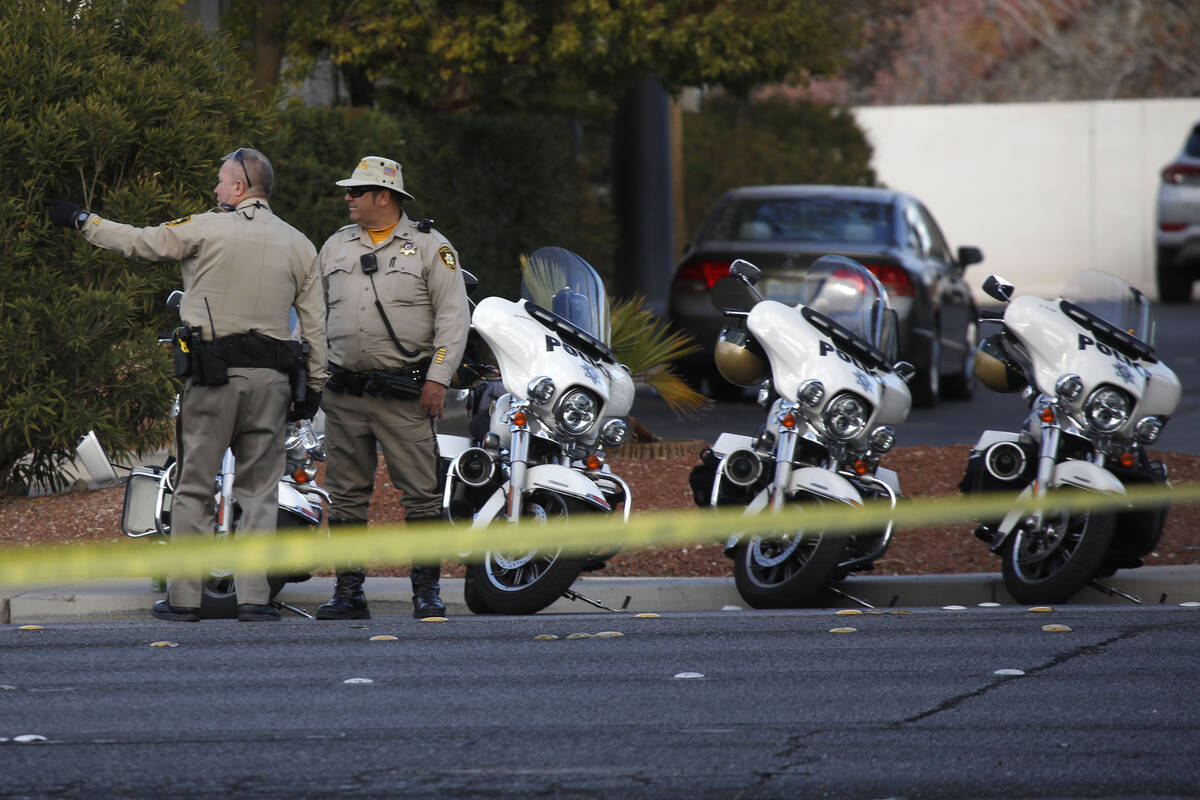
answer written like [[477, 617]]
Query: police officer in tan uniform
[[243, 270], [397, 326]]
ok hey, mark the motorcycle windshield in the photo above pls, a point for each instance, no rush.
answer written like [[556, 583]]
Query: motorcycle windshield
[[1112, 300], [847, 293], [564, 284]]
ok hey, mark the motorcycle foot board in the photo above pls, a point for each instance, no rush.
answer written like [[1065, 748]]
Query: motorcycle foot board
[[1072, 473]]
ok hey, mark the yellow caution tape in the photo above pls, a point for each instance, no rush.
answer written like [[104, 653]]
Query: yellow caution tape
[[584, 533]]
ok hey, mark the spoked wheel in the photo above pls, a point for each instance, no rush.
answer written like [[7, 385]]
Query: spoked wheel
[[1052, 562], [218, 599], [786, 571], [526, 581]]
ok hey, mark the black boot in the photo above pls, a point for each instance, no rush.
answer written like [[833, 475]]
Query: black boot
[[348, 601], [425, 586]]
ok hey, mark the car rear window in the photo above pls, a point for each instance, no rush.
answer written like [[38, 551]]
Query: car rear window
[[1192, 146], [803, 219]]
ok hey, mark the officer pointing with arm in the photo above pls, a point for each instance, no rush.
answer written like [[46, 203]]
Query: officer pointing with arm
[[397, 327], [243, 270]]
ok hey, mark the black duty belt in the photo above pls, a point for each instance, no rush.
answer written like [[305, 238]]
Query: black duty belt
[[400, 384]]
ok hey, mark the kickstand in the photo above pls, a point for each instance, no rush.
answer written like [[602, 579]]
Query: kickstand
[[1100, 586], [573, 595], [279, 604], [848, 596]]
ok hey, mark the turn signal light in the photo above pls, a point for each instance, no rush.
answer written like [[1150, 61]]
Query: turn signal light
[[1047, 414], [788, 421], [860, 467], [1127, 459], [300, 476], [519, 419], [593, 462]]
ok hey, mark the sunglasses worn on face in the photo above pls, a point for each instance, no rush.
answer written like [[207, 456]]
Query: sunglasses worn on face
[[358, 191]]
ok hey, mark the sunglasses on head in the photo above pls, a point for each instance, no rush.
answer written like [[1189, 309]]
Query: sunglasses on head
[[359, 191], [238, 155]]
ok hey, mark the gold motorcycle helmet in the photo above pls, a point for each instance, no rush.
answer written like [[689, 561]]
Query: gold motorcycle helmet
[[740, 358], [995, 369]]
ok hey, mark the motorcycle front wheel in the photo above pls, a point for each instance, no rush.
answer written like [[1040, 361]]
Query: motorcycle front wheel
[[526, 581], [787, 571], [218, 599], [1050, 563]]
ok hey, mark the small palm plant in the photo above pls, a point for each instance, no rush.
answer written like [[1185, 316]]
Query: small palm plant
[[646, 344]]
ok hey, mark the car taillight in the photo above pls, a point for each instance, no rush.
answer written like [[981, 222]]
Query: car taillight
[[699, 276], [1171, 227], [895, 279], [1180, 173]]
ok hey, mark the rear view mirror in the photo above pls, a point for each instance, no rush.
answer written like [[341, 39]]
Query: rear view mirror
[[998, 288], [968, 256], [471, 281], [904, 370], [175, 300], [741, 268]]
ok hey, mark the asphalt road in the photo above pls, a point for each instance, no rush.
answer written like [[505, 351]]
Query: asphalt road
[[722, 704], [961, 422]]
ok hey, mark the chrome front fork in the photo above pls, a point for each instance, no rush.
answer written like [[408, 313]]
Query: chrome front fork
[[785, 448], [518, 463]]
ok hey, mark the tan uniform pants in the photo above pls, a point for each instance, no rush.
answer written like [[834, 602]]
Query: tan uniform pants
[[356, 428], [248, 414]]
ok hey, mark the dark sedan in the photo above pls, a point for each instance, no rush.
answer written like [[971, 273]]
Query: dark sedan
[[782, 229]]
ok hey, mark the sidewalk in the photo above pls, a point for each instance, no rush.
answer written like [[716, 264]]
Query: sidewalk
[[130, 599]]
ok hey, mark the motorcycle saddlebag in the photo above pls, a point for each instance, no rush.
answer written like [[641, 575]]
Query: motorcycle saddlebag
[[138, 517]]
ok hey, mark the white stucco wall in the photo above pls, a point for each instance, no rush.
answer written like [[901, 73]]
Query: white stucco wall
[[1045, 189]]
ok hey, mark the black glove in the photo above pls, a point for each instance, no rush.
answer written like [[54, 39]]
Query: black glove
[[63, 213], [306, 409]]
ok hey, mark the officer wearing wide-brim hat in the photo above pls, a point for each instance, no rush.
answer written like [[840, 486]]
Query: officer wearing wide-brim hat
[[397, 326]]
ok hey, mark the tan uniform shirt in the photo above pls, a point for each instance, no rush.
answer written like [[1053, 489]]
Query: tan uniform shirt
[[420, 287], [242, 270]]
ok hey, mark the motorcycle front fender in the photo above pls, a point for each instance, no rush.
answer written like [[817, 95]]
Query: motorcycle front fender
[[293, 500], [552, 478], [811, 480], [1072, 473]]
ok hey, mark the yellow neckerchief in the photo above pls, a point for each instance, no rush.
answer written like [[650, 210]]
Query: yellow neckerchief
[[379, 235]]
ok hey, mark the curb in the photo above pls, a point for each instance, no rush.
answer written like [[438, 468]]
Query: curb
[[129, 599]]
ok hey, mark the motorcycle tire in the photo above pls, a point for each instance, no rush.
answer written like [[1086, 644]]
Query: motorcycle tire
[[529, 581], [218, 599], [1046, 565], [786, 572]]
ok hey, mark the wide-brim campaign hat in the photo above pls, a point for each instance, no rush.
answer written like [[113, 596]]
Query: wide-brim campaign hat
[[378, 171]]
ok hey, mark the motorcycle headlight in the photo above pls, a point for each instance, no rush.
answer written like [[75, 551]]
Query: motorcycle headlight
[[1107, 408], [1069, 387], [576, 411], [541, 390], [811, 393], [883, 438], [1148, 430], [846, 415], [615, 432]]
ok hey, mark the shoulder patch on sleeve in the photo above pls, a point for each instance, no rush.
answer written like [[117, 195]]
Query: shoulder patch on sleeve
[[447, 257], [180, 221]]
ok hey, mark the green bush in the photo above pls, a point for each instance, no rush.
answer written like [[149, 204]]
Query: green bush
[[737, 143], [126, 110]]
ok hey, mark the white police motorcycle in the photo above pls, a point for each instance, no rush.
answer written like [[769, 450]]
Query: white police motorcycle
[[542, 457], [1098, 395], [833, 394]]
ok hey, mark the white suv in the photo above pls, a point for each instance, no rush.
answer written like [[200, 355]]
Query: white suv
[[1177, 234]]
